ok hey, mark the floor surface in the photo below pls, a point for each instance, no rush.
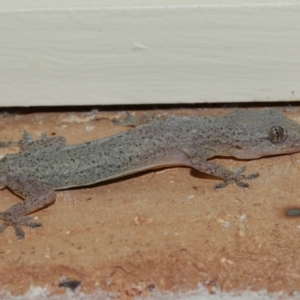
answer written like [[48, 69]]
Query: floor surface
[[163, 230]]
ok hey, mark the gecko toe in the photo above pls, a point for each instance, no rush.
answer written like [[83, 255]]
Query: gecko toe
[[239, 170], [19, 232], [250, 176], [27, 222], [228, 181], [242, 184], [33, 224], [221, 185]]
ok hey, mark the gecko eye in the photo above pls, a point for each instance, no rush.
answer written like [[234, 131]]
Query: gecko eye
[[277, 134]]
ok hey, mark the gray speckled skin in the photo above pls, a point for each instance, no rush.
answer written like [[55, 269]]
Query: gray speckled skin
[[46, 165]]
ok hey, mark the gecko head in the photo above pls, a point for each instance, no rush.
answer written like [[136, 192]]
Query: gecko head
[[264, 133]]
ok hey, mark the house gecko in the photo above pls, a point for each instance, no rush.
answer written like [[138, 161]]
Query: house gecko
[[48, 164]]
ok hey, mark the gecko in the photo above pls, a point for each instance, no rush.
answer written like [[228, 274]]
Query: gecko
[[47, 164]]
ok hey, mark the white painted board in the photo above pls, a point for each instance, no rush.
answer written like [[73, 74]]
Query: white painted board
[[141, 52]]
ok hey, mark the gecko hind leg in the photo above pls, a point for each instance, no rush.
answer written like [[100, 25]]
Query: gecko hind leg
[[36, 195], [27, 143], [237, 179], [26, 139]]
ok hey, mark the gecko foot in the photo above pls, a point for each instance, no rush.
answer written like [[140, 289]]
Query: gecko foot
[[130, 120], [237, 179], [133, 121], [24, 220]]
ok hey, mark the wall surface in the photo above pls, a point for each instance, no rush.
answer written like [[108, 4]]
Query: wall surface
[[132, 52]]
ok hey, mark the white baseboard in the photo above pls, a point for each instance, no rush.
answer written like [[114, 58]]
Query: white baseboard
[[141, 52]]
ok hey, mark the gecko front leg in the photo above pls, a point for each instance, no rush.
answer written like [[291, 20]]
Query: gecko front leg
[[36, 195], [197, 159], [227, 175]]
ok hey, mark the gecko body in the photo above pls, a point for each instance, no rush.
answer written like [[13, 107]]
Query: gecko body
[[46, 165]]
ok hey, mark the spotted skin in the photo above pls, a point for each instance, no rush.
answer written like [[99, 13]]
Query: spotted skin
[[48, 164]]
